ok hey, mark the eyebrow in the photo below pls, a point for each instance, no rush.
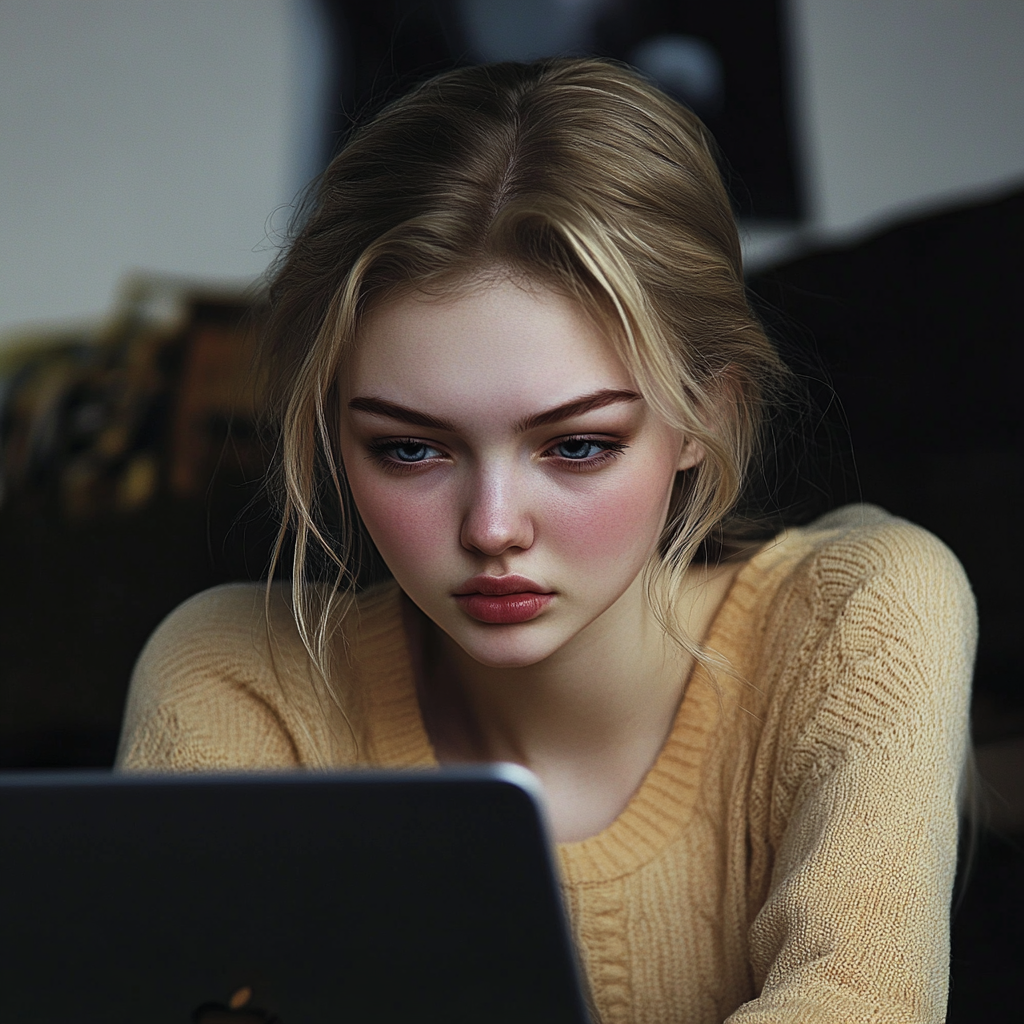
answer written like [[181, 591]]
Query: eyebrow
[[393, 411], [574, 407]]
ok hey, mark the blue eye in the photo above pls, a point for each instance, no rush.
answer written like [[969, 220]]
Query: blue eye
[[412, 451], [403, 453], [586, 453], [578, 449]]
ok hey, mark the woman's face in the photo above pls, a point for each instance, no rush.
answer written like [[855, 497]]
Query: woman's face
[[505, 466]]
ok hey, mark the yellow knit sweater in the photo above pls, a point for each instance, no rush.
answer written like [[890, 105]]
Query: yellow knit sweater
[[790, 854]]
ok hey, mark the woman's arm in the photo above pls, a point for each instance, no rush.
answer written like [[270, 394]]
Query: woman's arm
[[855, 926]]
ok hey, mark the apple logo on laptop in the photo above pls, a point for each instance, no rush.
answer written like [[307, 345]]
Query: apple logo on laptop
[[236, 1011]]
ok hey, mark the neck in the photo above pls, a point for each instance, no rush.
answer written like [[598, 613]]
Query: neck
[[578, 702], [590, 719]]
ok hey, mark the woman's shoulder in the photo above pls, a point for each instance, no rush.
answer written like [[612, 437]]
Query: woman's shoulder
[[202, 694], [225, 680], [870, 633], [857, 548], [219, 635]]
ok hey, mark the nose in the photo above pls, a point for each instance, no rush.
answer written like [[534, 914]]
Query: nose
[[497, 517]]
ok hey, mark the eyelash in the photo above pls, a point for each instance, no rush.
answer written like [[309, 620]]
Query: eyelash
[[380, 452], [610, 450]]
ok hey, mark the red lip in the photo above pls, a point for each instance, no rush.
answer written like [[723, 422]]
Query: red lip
[[499, 586], [502, 600], [505, 610]]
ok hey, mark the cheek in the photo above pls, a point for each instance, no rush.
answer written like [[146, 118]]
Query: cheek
[[618, 526], [408, 529]]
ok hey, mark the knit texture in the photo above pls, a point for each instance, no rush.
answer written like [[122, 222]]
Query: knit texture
[[789, 857]]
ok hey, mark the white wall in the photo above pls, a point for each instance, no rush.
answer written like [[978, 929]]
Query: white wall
[[142, 134], [904, 106], [162, 134], [907, 103]]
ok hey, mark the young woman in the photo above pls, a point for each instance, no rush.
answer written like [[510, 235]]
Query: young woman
[[511, 355]]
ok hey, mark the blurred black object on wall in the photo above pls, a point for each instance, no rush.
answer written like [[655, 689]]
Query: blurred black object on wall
[[727, 60]]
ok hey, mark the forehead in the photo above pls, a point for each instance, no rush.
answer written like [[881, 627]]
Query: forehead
[[522, 341]]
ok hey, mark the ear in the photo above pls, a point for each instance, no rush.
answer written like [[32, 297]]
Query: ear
[[715, 412], [692, 454]]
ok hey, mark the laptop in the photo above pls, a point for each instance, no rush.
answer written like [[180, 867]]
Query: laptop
[[281, 898]]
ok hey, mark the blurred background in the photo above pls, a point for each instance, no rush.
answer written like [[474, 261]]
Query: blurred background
[[150, 158], [172, 137]]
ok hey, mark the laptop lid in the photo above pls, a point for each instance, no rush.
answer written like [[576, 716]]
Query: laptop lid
[[295, 898]]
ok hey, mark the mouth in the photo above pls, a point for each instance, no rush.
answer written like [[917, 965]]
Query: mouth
[[500, 586], [502, 600]]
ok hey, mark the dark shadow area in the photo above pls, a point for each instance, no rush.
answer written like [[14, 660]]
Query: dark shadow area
[[988, 935], [80, 601]]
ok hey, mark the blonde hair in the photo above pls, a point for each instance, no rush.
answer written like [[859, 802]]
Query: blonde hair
[[574, 173]]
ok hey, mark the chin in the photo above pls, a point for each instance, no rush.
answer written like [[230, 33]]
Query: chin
[[507, 646], [510, 660]]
